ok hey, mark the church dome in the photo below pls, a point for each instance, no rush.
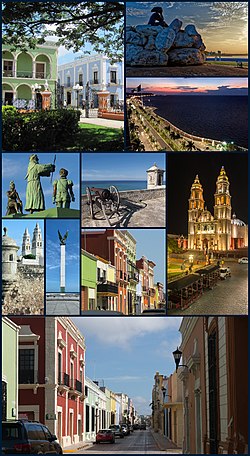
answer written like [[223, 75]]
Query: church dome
[[236, 221], [8, 242]]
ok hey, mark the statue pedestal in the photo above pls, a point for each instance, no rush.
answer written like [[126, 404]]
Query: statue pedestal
[[102, 102], [46, 100]]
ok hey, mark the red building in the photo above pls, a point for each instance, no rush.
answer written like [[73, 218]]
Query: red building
[[51, 375], [110, 245], [143, 266]]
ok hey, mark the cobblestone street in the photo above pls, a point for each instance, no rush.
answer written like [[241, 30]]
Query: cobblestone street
[[229, 297]]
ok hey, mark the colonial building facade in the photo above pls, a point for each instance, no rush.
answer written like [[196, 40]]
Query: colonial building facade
[[27, 75], [51, 375], [220, 231], [99, 73]]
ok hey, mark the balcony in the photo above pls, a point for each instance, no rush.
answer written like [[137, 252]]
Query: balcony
[[146, 289], [75, 388], [28, 377], [8, 73], [107, 289], [121, 276], [63, 379]]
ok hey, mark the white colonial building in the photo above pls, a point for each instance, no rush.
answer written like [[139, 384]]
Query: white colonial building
[[100, 74]]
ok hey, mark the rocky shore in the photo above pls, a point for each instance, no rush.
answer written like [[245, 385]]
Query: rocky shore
[[148, 45]]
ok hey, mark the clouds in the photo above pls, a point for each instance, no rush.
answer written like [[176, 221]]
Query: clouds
[[122, 331]]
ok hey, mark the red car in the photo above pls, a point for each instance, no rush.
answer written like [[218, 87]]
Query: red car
[[105, 435]]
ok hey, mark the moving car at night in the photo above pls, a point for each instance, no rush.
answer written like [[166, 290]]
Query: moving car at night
[[243, 260]]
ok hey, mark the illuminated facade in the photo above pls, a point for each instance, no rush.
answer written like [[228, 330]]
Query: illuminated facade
[[220, 231]]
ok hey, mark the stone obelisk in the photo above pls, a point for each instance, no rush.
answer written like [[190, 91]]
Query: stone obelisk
[[62, 265], [62, 269]]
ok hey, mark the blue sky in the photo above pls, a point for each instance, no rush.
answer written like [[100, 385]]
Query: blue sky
[[151, 243], [53, 255], [125, 353], [16, 230], [119, 166], [15, 168], [222, 25]]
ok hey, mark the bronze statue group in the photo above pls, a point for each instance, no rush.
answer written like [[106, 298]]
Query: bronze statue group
[[62, 194]]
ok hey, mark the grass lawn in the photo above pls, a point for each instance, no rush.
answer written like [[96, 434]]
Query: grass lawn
[[96, 138]]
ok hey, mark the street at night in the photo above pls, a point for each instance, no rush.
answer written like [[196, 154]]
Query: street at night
[[228, 297]]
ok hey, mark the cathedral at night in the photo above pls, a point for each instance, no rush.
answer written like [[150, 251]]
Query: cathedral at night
[[218, 232]]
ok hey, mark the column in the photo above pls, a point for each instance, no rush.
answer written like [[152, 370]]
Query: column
[[62, 270]]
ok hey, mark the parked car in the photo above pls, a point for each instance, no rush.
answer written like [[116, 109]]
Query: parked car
[[135, 426], [224, 273], [131, 428], [117, 429], [29, 437], [243, 260], [143, 426], [105, 435], [125, 429]]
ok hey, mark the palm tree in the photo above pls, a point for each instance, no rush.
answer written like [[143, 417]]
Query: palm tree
[[190, 145]]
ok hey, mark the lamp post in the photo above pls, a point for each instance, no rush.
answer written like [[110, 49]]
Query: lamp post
[[177, 354], [36, 89], [77, 88]]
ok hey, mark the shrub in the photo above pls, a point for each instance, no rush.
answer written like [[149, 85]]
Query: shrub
[[40, 130]]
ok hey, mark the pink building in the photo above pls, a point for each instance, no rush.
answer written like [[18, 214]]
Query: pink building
[[51, 375]]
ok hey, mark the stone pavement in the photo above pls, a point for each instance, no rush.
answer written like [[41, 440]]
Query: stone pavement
[[102, 122], [164, 444], [77, 447]]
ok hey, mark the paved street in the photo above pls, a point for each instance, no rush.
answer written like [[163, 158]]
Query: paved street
[[139, 442], [65, 304], [229, 297]]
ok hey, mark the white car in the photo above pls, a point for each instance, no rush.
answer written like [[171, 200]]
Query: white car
[[243, 260], [224, 273]]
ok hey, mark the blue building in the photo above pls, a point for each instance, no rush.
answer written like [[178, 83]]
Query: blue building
[[99, 73]]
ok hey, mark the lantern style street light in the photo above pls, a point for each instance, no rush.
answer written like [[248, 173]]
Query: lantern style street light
[[177, 354], [78, 89]]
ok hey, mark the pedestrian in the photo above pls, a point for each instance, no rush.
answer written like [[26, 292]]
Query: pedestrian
[[157, 17]]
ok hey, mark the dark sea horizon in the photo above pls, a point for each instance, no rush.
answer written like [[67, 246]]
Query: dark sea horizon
[[221, 117]]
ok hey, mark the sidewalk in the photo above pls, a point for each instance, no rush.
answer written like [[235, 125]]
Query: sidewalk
[[77, 446], [164, 444], [102, 122]]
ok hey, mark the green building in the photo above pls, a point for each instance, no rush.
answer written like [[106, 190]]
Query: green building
[[88, 281], [9, 369], [132, 272], [26, 75]]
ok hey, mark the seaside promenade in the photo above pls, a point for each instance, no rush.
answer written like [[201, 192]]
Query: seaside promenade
[[163, 135]]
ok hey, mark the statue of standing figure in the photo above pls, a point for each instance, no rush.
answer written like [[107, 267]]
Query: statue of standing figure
[[34, 193], [14, 204], [63, 190]]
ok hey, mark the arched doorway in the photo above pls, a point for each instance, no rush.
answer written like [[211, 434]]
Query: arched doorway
[[24, 92], [8, 94], [39, 100]]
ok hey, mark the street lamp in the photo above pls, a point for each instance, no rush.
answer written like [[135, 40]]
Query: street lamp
[[177, 354], [78, 89]]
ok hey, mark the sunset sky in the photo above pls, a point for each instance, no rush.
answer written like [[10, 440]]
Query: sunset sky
[[190, 86], [222, 25]]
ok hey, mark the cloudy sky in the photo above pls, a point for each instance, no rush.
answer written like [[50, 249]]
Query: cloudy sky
[[222, 25], [125, 353], [53, 255], [118, 167], [14, 167], [191, 86]]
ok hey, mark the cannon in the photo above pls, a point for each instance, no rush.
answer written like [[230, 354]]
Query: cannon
[[106, 199]]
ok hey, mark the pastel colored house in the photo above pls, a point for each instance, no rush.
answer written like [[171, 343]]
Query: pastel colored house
[[51, 375], [25, 75], [88, 281], [9, 369], [96, 70]]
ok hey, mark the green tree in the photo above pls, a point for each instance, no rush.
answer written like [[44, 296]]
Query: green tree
[[27, 24]]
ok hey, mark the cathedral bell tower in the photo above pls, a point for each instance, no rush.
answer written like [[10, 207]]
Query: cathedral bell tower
[[26, 243], [222, 211], [37, 242], [195, 207]]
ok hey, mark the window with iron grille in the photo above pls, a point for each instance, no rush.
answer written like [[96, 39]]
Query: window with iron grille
[[26, 365]]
